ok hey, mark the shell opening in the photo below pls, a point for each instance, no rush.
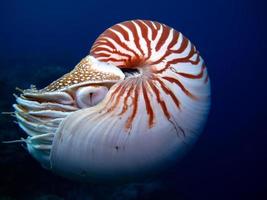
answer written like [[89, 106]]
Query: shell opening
[[130, 72]]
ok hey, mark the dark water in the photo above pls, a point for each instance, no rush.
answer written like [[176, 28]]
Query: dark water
[[41, 40]]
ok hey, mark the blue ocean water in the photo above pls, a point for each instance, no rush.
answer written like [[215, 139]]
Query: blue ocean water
[[41, 40]]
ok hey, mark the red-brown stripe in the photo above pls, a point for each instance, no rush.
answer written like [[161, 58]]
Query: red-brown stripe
[[185, 59], [120, 94], [104, 42], [154, 31], [149, 109], [113, 94], [167, 65], [97, 49], [168, 51], [101, 55], [116, 38], [161, 102], [192, 76], [177, 82], [135, 107], [125, 105], [196, 61], [168, 91], [122, 31], [163, 37], [113, 60], [144, 31], [183, 46], [132, 27], [174, 39], [175, 61]]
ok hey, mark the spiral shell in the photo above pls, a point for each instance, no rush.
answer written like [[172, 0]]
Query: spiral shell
[[131, 108]]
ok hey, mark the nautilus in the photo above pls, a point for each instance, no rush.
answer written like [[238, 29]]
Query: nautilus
[[131, 108]]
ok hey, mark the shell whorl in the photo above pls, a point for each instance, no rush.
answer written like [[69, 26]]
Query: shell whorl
[[152, 96], [163, 57]]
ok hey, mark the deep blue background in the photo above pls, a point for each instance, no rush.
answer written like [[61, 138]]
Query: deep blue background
[[230, 159]]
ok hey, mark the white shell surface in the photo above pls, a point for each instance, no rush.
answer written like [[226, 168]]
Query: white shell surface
[[86, 147], [94, 145]]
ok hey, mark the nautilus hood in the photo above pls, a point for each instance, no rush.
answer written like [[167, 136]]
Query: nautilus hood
[[131, 108]]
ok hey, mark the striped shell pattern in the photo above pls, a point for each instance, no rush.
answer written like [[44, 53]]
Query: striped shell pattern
[[131, 108]]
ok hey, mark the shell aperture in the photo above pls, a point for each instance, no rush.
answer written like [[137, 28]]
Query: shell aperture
[[131, 108]]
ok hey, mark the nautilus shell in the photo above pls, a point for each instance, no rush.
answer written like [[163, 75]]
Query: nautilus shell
[[131, 108]]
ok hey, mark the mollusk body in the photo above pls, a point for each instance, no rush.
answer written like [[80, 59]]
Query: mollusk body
[[131, 108]]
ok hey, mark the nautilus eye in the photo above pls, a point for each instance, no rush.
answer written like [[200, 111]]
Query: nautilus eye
[[129, 109], [90, 95]]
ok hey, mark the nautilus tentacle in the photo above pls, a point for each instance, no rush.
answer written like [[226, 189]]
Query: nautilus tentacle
[[130, 108]]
